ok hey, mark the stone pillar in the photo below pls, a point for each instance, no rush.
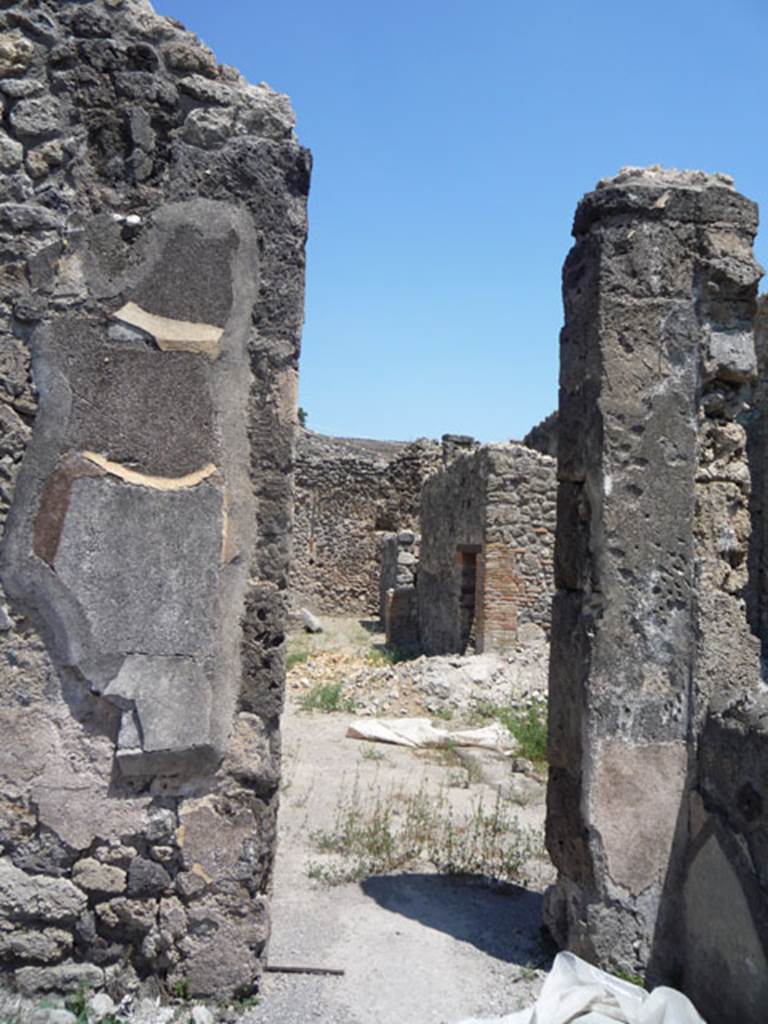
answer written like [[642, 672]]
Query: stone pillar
[[649, 617], [152, 216]]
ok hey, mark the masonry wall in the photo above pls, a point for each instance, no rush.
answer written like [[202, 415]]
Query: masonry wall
[[496, 504], [656, 824], [351, 493], [152, 218], [398, 607]]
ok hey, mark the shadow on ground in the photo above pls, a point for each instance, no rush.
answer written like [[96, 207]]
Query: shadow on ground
[[503, 923]]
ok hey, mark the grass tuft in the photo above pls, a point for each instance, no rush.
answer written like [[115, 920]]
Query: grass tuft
[[295, 658], [529, 727], [326, 697], [387, 830]]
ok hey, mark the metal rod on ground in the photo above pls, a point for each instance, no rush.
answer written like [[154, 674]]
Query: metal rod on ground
[[274, 969]]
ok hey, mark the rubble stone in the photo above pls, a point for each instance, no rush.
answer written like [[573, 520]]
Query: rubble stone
[[91, 875], [37, 898]]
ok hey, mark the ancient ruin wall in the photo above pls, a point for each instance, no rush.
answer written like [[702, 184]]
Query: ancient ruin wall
[[152, 215], [654, 673], [491, 513], [351, 493], [398, 603]]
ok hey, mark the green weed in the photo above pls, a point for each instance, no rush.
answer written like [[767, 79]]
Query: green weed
[[385, 831], [371, 753], [78, 1004], [181, 989], [631, 977], [326, 697], [296, 658], [528, 727], [389, 654]]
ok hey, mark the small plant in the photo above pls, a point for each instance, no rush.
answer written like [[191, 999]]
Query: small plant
[[530, 730], [371, 753], [385, 655], [387, 831], [241, 1001], [630, 976], [78, 1004], [528, 727], [181, 989], [444, 714], [326, 697], [296, 658]]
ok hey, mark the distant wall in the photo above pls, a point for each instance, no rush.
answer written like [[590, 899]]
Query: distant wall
[[350, 493], [487, 526]]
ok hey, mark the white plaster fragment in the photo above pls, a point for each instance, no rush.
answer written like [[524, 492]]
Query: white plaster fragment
[[173, 335], [157, 483]]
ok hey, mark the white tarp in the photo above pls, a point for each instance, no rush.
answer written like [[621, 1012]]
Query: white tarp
[[575, 991], [419, 732]]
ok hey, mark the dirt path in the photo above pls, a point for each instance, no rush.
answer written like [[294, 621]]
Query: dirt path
[[416, 948]]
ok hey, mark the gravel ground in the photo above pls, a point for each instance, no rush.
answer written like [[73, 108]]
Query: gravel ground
[[415, 948]]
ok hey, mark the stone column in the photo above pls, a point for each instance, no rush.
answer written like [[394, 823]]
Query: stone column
[[656, 356]]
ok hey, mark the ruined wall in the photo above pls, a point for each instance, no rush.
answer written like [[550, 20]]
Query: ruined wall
[[489, 515], [398, 607], [656, 825], [350, 493], [152, 219]]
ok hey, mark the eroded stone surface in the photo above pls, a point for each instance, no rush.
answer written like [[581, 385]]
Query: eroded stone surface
[[655, 673], [146, 501], [36, 898], [142, 565]]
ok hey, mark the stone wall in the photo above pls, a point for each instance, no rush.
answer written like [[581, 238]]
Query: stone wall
[[487, 527], [152, 217], [398, 608], [657, 820], [351, 493]]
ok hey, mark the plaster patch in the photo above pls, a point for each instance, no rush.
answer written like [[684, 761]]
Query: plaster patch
[[173, 335], [635, 799], [157, 483]]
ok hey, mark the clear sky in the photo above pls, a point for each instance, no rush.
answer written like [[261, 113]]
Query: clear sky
[[452, 140]]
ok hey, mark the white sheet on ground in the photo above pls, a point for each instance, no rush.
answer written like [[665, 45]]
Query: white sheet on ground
[[419, 732], [575, 991]]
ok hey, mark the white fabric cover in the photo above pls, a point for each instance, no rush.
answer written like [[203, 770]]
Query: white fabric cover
[[419, 732], [575, 991]]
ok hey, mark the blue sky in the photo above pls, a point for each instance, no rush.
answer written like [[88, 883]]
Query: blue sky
[[452, 140]]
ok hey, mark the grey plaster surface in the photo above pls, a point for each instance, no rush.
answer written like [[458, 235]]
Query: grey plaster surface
[[143, 565], [152, 690]]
